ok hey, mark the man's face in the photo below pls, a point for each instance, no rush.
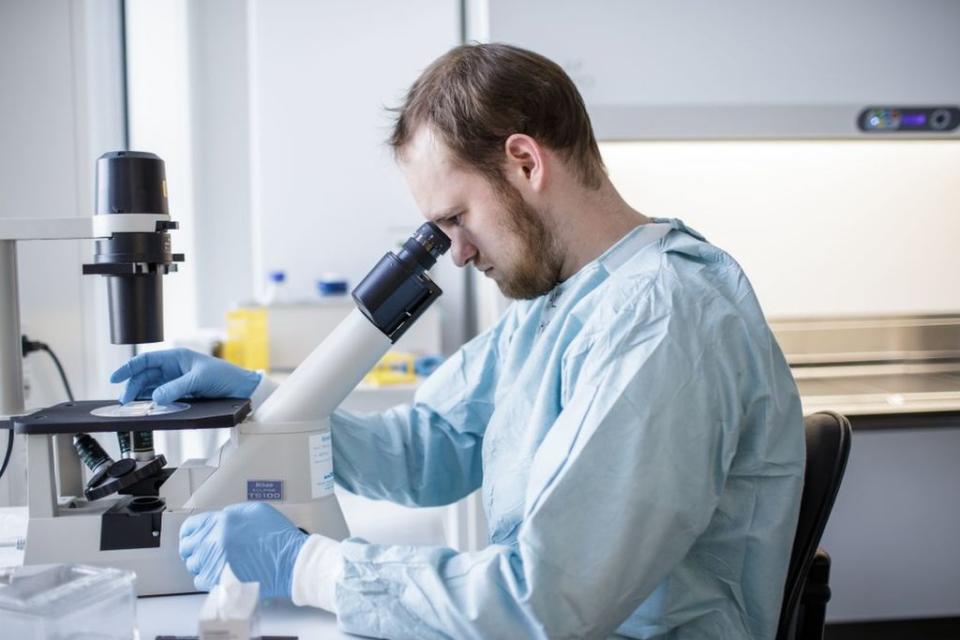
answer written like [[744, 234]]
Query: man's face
[[491, 226]]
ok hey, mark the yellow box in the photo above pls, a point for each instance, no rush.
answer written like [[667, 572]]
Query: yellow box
[[248, 338]]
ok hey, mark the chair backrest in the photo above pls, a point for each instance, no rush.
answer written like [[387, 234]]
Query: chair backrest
[[828, 437]]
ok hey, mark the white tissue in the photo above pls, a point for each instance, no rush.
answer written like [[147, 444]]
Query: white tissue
[[230, 611]]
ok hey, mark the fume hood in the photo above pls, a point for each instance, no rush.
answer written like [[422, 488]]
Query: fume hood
[[699, 69]]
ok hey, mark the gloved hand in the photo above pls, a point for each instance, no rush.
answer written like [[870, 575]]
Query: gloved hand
[[166, 376], [260, 544]]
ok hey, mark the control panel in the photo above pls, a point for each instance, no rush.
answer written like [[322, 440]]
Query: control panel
[[895, 119]]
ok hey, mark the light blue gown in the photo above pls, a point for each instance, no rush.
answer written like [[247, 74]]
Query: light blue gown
[[638, 440]]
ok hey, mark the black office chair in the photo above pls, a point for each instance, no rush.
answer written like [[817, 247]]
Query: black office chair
[[807, 589]]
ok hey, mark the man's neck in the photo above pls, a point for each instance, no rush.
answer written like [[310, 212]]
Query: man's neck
[[588, 222]]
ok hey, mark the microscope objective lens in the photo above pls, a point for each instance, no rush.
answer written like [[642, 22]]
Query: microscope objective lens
[[91, 453]]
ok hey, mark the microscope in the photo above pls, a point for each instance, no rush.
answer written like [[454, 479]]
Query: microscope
[[128, 513]]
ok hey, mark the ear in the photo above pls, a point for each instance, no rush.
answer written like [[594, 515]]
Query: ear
[[525, 162]]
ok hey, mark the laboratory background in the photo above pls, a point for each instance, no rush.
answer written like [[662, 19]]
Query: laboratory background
[[817, 142]]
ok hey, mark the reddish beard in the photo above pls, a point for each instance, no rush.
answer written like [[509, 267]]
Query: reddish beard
[[535, 270]]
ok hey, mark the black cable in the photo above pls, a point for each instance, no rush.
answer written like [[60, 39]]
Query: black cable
[[63, 375], [6, 457], [29, 346]]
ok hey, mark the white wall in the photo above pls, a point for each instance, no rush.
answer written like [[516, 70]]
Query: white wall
[[221, 156], [326, 193], [821, 228]]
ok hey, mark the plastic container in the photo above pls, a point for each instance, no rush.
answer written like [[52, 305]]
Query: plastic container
[[425, 365], [331, 285], [67, 601], [276, 291]]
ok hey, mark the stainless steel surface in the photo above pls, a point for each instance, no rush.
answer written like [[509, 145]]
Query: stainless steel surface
[[879, 365], [862, 391], [865, 339]]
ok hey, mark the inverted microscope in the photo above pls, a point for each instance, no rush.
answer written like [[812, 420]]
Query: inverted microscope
[[127, 512]]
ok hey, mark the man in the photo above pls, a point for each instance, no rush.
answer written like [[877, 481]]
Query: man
[[632, 423]]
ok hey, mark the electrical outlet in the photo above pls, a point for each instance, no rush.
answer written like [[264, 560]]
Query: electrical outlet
[[27, 383], [27, 372]]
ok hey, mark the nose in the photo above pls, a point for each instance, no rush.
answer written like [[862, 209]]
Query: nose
[[461, 251]]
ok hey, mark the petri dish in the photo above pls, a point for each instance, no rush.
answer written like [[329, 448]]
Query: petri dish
[[138, 409]]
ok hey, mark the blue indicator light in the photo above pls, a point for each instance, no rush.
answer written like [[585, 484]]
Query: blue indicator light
[[913, 119]]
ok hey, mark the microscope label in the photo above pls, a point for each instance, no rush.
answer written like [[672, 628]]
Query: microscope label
[[264, 489], [321, 465]]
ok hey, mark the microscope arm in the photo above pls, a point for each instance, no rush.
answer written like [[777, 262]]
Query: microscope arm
[[334, 368]]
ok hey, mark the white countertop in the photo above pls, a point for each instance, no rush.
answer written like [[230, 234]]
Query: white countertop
[[378, 522], [178, 615]]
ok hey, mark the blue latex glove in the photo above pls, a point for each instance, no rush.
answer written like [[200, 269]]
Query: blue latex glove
[[167, 376], [258, 542]]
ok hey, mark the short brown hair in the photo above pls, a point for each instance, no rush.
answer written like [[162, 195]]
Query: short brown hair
[[475, 96]]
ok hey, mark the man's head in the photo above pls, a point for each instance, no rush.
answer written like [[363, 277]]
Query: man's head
[[483, 136]]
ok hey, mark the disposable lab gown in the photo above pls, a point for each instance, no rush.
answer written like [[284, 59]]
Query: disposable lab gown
[[638, 440]]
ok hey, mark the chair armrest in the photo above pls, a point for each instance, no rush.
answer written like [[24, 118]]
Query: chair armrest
[[817, 589], [816, 595]]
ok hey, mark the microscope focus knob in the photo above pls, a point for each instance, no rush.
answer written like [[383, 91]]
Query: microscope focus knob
[[121, 474]]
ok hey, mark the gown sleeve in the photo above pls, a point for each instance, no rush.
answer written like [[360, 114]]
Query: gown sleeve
[[427, 453]]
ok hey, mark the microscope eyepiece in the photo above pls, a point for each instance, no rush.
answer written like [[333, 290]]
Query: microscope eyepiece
[[424, 247], [432, 239], [398, 289]]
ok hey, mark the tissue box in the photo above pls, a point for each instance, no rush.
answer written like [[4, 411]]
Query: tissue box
[[240, 622]]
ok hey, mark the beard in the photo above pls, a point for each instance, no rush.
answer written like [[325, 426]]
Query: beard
[[535, 267]]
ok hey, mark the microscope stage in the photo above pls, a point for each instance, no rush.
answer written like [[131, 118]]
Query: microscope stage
[[76, 417]]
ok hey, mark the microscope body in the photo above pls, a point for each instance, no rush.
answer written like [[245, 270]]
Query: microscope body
[[138, 528], [128, 515]]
